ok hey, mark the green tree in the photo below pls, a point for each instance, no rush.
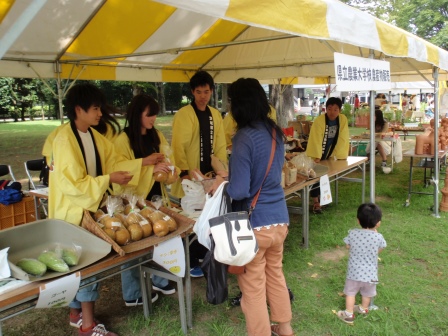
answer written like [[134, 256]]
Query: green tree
[[5, 96], [173, 96], [118, 93], [425, 18], [23, 91]]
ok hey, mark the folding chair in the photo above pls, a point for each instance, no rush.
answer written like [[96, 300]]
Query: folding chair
[[6, 170], [35, 166]]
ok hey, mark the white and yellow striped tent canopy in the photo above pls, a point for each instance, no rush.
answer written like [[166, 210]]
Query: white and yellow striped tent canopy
[[168, 40]]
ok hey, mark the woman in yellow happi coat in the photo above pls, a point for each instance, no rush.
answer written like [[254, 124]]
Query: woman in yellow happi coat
[[140, 138]]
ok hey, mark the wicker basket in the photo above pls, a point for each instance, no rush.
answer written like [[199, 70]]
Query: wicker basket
[[184, 225]]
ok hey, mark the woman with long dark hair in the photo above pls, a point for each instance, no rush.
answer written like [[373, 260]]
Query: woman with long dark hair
[[140, 139], [263, 280]]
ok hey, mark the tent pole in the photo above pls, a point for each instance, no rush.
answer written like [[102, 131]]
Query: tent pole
[[436, 142], [372, 141], [60, 93]]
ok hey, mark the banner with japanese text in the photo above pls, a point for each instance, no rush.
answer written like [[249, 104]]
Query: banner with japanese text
[[361, 74]]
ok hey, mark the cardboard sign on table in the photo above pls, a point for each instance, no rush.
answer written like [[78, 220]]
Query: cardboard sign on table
[[325, 190], [59, 293], [170, 255]]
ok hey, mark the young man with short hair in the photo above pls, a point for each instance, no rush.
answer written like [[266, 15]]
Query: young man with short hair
[[84, 165], [198, 132], [329, 138]]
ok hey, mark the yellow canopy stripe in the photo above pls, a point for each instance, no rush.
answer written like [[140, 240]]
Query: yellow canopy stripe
[[393, 41], [5, 6], [306, 17], [221, 31]]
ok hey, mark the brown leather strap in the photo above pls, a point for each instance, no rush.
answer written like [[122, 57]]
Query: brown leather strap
[[3, 185], [254, 201]]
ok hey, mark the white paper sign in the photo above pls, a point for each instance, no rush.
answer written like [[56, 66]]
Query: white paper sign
[[171, 256], [325, 190], [59, 293], [5, 272], [361, 74]]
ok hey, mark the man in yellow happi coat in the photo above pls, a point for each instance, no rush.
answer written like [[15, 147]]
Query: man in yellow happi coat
[[329, 139], [198, 132], [84, 165]]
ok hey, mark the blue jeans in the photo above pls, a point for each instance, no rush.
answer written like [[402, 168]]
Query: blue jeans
[[130, 282], [87, 294]]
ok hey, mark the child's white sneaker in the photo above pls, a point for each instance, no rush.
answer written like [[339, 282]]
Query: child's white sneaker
[[358, 309], [344, 317]]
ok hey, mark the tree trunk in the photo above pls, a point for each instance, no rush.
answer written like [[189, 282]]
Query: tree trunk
[[225, 106], [287, 112], [22, 112], [282, 98], [161, 98], [215, 97]]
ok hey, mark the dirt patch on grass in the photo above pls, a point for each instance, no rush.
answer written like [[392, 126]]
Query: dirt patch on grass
[[383, 198], [333, 255]]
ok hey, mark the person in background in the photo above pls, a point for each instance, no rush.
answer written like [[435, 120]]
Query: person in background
[[381, 126], [380, 100], [198, 133], [139, 139], [263, 281], [84, 164], [364, 245], [322, 101], [357, 103], [329, 138]]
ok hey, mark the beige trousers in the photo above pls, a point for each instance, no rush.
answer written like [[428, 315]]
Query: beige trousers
[[264, 282]]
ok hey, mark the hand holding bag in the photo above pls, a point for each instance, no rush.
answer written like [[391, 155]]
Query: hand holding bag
[[235, 241], [212, 208]]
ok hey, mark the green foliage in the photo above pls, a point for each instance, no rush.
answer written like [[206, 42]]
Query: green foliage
[[347, 111], [398, 114], [173, 96], [424, 18], [363, 111]]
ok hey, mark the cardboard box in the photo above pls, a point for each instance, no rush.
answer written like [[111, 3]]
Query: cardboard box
[[29, 240], [18, 213]]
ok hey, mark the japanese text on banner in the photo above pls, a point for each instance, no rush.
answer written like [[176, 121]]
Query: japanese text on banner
[[358, 73]]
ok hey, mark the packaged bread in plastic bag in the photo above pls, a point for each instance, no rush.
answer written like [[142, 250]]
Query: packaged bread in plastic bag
[[304, 165], [162, 224], [112, 224]]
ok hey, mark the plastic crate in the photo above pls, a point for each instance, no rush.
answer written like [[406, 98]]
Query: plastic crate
[[359, 149], [18, 213]]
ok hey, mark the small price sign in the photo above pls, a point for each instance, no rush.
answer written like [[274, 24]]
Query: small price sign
[[59, 293], [325, 190], [171, 256]]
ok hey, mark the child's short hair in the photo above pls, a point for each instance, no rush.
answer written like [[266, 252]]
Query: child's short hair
[[84, 95], [334, 101], [202, 78], [369, 215]]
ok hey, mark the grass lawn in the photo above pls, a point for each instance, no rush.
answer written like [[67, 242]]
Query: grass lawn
[[413, 268]]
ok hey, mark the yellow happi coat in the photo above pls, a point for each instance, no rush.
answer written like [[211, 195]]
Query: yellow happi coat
[[71, 189], [230, 125], [185, 142], [314, 146], [146, 182], [47, 150]]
